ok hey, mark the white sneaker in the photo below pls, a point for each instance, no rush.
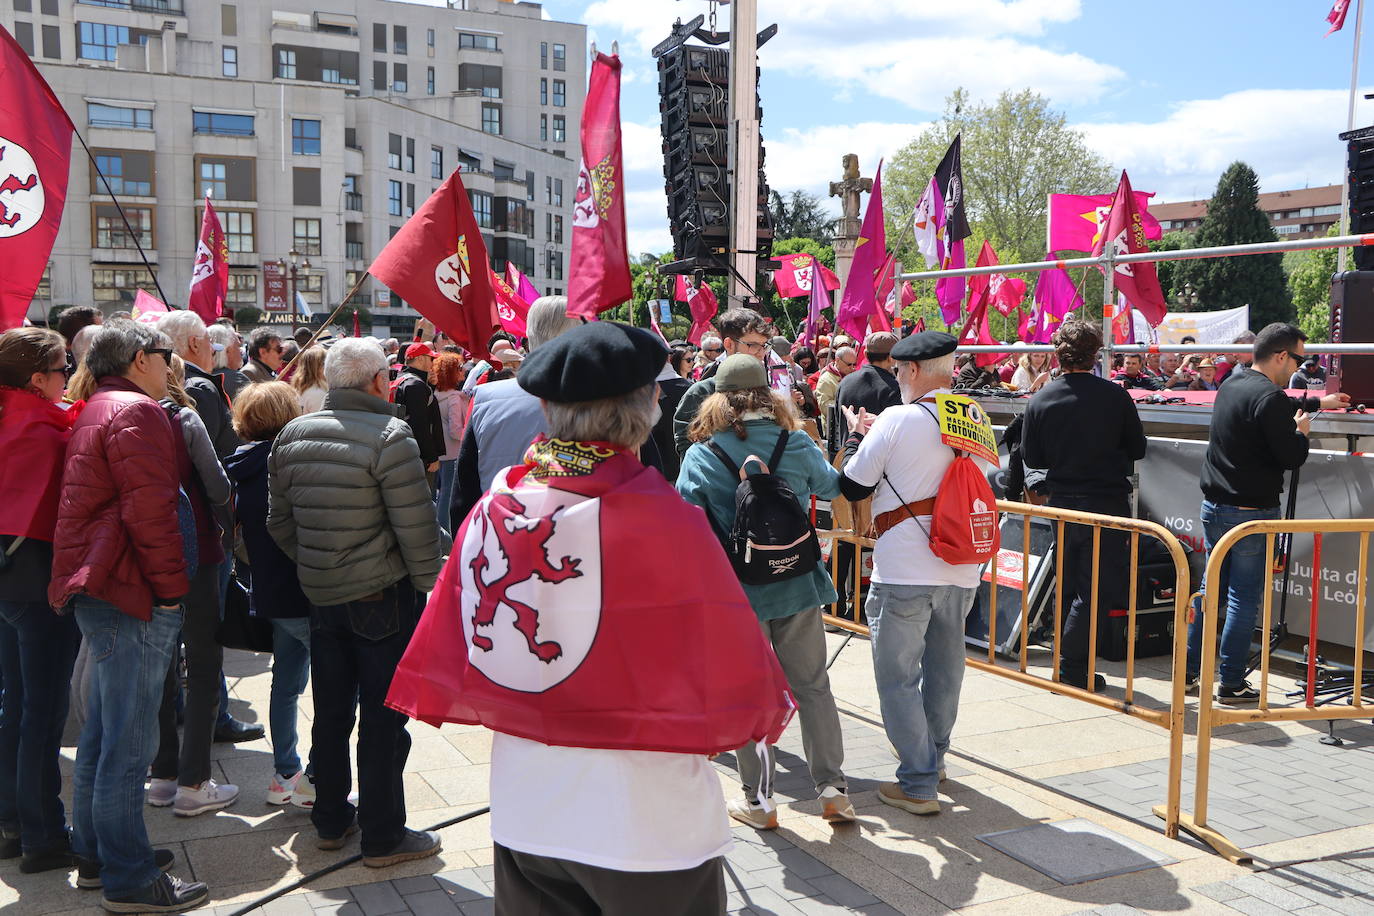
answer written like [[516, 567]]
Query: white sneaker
[[752, 814], [836, 806], [161, 792], [303, 795], [280, 790], [208, 796]]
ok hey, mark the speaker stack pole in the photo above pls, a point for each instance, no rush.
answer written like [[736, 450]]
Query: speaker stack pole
[[1349, 126]]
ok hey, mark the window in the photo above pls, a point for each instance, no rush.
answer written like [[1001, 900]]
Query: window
[[229, 125], [23, 34], [485, 77], [228, 19], [305, 137], [118, 284], [243, 289], [379, 75], [560, 93], [1329, 210], [399, 80], [44, 289], [393, 151], [555, 265], [379, 37], [436, 162], [305, 187], [560, 129], [491, 119], [543, 55], [52, 42], [481, 208], [548, 189], [286, 64], [325, 65], [128, 172], [560, 60], [23, 6], [353, 246], [548, 227], [393, 198], [429, 81], [558, 192], [213, 180], [469, 162], [229, 60], [398, 34], [1285, 230], [544, 127], [481, 42], [529, 185], [98, 41], [543, 91], [305, 235], [110, 231], [98, 115], [502, 171], [352, 199], [558, 230], [429, 41], [410, 155], [410, 199], [225, 177], [238, 230]]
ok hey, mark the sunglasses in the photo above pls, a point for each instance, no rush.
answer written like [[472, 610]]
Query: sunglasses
[[713, 350], [164, 352]]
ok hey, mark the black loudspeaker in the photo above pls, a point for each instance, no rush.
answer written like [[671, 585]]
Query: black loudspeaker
[[1352, 320], [1359, 150]]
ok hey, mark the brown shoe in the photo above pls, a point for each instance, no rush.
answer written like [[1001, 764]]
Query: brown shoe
[[414, 845], [890, 793], [336, 842]]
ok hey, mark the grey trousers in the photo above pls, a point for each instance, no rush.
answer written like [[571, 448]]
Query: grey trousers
[[799, 642], [531, 885]]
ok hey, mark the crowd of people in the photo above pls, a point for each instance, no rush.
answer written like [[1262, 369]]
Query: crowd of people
[[172, 471]]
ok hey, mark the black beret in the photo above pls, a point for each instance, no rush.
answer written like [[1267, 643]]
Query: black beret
[[925, 345], [600, 359]]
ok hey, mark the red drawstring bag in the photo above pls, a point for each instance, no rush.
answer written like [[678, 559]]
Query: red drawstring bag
[[963, 525]]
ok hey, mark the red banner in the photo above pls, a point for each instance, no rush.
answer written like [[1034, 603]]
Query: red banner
[[210, 275], [273, 287], [793, 278]]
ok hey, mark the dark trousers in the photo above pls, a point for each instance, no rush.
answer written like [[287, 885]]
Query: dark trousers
[[37, 652], [189, 762], [527, 884], [1077, 588], [354, 650]]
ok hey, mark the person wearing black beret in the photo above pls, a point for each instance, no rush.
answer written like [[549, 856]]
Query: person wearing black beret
[[917, 604]]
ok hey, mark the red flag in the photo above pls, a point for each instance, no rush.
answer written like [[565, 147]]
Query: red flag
[[600, 262], [1138, 282], [510, 308], [357, 325], [148, 308], [438, 264], [536, 628], [35, 152], [908, 294], [1337, 15], [210, 275], [793, 278], [975, 329], [702, 302]]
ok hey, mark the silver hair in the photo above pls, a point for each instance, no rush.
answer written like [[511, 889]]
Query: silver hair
[[710, 342], [392, 345], [846, 351], [625, 420], [353, 362], [118, 343], [226, 337], [548, 317], [81, 343], [182, 326], [940, 366]]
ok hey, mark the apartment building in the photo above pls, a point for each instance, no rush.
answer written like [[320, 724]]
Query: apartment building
[[1298, 214], [316, 132]]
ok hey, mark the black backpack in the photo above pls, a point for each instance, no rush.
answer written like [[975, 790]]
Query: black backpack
[[772, 539]]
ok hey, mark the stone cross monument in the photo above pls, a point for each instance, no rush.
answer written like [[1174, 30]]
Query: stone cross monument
[[848, 190]]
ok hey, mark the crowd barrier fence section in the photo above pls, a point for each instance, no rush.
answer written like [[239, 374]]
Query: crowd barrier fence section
[[1171, 719], [1210, 715]]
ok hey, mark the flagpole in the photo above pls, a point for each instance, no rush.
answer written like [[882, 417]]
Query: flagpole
[[357, 285], [132, 234], [1108, 305], [1349, 126]]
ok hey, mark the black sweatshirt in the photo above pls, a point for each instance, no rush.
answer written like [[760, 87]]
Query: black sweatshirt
[[1085, 432], [1252, 441]]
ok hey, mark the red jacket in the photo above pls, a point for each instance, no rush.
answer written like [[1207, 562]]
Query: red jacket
[[117, 535], [33, 437]]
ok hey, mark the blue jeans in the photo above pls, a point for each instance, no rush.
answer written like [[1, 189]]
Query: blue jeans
[[918, 664], [129, 662], [37, 651], [1241, 589], [290, 672], [446, 478]]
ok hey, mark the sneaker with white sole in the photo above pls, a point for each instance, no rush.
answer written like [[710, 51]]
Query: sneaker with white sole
[[206, 797], [890, 793], [161, 792], [1239, 695], [751, 813], [303, 791], [280, 790], [836, 806]]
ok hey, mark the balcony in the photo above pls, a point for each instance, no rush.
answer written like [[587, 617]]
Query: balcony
[[161, 7], [353, 251], [353, 201]]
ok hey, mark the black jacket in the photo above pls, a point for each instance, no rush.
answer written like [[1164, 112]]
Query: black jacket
[[1085, 432], [871, 388], [420, 408], [276, 586], [670, 395], [1251, 442], [213, 406]]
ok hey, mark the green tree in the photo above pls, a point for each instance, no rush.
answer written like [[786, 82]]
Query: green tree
[[1015, 152], [789, 314], [247, 316], [801, 215], [1309, 283], [1235, 218], [1168, 270]]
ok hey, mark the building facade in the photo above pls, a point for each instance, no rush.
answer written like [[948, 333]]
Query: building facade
[[315, 132], [1300, 214]]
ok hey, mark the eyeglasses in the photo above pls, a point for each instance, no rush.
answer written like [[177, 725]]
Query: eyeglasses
[[164, 352], [849, 365], [754, 347], [712, 350]]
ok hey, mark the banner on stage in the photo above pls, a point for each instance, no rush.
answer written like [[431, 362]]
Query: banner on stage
[[1208, 327]]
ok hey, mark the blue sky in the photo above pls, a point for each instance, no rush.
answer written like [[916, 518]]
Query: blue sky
[[1172, 91]]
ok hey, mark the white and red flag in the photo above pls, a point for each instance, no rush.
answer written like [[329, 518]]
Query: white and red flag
[[438, 264], [510, 308], [600, 261], [793, 278], [35, 151], [1337, 15], [701, 301], [1125, 231], [210, 275], [148, 308]]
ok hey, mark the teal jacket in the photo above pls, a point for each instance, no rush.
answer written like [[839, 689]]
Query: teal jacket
[[706, 482]]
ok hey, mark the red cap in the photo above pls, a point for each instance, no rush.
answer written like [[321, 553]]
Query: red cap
[[419, 349]]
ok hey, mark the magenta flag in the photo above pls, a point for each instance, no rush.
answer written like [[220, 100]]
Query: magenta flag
[[1337, 15], [1076, 220], [520, 283], [1055, 297], [820, 299], [950, 290], [860, 297]]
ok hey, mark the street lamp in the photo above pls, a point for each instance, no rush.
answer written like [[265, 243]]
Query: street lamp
[[1188, 297], [295, 265]]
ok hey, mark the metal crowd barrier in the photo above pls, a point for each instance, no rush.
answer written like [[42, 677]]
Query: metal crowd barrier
[[1210, 716], [1170, 719]]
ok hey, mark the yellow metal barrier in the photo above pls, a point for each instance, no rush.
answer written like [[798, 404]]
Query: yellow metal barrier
[[1210, 716], [1170, 719]]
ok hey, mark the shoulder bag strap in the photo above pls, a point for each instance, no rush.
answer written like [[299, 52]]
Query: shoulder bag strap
[[724, 458], [776, 458]]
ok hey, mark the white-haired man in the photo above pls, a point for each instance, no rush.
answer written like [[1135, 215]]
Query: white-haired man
[[191, 341], [363, 559]]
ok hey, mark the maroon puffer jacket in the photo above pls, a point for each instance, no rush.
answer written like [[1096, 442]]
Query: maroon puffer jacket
[[117, 535]]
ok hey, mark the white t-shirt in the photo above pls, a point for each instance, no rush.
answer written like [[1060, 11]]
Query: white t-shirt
[[626, 810], [904, 443]]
